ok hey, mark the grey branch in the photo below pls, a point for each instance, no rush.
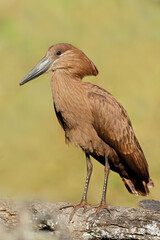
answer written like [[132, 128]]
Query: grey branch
[[42, 220]]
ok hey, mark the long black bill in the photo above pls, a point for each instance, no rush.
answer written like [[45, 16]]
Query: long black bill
[[39, 69]]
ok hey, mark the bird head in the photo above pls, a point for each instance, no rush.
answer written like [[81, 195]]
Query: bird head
[[63, 57]]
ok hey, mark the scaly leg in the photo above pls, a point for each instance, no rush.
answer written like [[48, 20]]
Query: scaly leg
[[83, 203], [103, 204]]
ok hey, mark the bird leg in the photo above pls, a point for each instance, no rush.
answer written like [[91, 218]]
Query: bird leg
[[89, 172], [83, 203], [103, 204]]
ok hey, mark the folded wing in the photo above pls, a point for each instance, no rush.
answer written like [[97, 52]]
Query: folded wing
[[114, 127]]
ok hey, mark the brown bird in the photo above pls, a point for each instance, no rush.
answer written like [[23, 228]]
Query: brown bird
[[93, 120]]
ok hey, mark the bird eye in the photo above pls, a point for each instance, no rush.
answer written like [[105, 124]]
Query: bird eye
[[58, 53]]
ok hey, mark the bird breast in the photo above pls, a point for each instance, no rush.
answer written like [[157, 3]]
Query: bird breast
[[70, 101]]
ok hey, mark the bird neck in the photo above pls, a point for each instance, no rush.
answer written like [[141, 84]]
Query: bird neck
[[66, 90]]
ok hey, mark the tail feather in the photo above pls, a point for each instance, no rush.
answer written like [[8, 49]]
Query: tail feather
[[137, 186], [150, 184]]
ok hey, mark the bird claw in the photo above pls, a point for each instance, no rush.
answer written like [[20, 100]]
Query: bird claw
[[83, 204], [99, 207]]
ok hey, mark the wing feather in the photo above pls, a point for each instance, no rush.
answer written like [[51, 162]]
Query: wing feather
[[113, 126]]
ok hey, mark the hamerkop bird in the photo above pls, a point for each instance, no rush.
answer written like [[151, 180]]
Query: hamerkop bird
[[93, 120]]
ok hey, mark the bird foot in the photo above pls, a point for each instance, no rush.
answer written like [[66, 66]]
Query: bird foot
[[83, 204], [99, 207]]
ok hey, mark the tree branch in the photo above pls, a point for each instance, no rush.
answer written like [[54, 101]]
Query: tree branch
[[39, 220]]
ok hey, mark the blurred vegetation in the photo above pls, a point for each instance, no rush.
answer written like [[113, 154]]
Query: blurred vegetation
[[123, 40]]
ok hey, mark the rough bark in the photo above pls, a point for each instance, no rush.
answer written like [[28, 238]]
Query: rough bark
[[41, 220]]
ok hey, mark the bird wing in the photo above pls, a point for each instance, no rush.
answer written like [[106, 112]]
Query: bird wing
[[113, 126]]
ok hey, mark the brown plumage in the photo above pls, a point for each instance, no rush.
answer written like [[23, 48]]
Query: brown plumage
[[93, 120]]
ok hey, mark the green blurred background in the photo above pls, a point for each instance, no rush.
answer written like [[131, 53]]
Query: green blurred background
[[122, 37]]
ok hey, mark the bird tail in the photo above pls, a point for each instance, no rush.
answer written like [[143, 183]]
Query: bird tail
[[137, 186]]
